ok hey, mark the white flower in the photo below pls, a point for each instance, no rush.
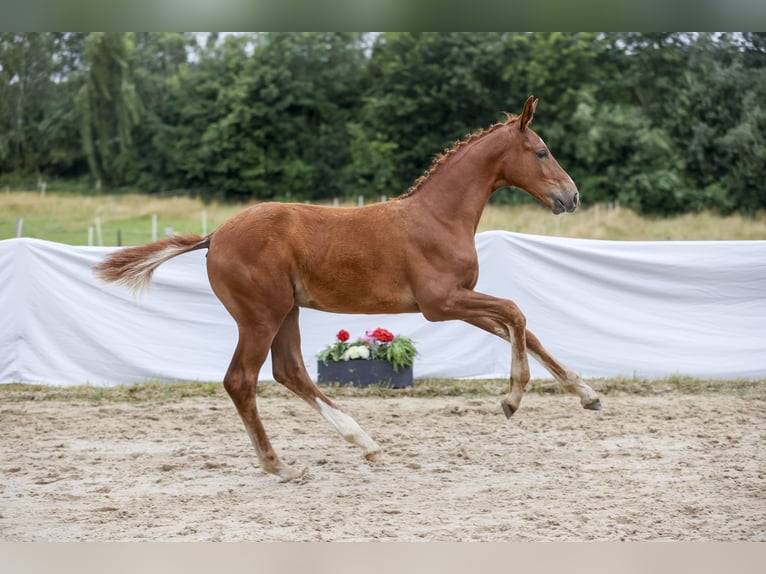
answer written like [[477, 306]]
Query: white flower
[[356, 352]]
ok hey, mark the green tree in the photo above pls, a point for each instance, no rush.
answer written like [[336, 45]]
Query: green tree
[[371, 170], [620, 157], [704, 90], [108, 105], [426, 90], [37, 126], [159, 59], [25, 77], [272, 123], [570, 73], [663, 122]]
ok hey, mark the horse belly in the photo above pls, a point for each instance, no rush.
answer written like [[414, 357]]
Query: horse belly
[[354, 294]]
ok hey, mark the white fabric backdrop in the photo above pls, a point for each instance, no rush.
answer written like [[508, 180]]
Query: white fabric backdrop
[[604, 308]]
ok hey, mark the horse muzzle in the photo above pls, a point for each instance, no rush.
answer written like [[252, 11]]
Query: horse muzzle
[[565, 202]]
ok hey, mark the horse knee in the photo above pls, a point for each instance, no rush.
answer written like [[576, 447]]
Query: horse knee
[[515, 317]]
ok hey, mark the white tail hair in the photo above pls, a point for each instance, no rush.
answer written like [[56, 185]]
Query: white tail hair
[[133, 266]]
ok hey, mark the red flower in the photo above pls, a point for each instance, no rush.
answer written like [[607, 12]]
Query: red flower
[[383, 335], [343, 335]]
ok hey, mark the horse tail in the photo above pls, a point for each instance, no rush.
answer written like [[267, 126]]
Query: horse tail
[[134, 266]]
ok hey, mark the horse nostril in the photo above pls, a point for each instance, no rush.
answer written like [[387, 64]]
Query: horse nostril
[[576, 199]]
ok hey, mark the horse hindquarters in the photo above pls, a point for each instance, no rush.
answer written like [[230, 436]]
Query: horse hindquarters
[[259, 307], [252, 281]]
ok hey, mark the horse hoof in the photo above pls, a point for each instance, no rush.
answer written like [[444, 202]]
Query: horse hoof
[[593, 405], [507, 409], [374, 456], [290, 474]]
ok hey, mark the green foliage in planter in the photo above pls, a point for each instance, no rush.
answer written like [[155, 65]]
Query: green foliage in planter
[[336, 351], [400, 352]]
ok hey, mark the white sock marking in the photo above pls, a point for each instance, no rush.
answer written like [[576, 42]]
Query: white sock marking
[[347, 427]]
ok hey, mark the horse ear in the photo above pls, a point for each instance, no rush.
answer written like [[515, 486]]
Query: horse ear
[[529, 112]]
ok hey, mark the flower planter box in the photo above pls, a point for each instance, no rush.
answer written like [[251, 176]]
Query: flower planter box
[[364, 373]]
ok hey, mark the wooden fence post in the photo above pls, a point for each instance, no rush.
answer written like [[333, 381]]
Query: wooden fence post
[[99, 236]]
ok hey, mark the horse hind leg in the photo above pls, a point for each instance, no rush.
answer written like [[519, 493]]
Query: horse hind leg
[[289, 370], [568, 379], [240, 382]]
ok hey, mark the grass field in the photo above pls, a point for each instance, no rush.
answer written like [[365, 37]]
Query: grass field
[[67, 218]]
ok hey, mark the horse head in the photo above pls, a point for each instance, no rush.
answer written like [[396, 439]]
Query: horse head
[[529, 165]]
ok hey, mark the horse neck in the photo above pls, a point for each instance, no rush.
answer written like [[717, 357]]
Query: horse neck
[[459, 189]]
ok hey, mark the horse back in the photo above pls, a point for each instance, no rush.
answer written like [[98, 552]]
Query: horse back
[[350, 260]]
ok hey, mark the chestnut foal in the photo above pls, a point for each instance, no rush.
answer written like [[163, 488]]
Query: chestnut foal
[[414, 254]]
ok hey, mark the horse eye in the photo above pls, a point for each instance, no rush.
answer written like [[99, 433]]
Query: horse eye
[[541, 154]]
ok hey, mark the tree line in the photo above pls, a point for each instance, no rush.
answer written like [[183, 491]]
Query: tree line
[[661, 122]]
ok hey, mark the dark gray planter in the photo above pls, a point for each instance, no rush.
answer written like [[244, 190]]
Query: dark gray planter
[[364, 373]]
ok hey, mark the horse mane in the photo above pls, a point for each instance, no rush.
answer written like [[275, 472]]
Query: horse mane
[[440, 159]]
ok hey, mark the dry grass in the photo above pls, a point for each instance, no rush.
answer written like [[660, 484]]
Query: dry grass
[[615, 223], [66, 218], [161, 392]]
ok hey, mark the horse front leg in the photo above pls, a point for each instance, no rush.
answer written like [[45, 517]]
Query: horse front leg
[[498, 316], [519, 362], [567, 378]]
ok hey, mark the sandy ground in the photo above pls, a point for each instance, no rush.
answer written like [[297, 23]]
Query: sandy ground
[[676, 467]]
